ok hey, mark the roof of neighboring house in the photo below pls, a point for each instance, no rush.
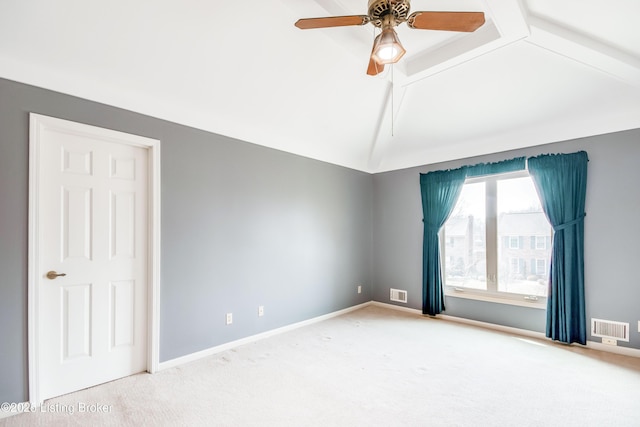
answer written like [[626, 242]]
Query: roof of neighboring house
[[523, 224], [457, 225], [509, 224]]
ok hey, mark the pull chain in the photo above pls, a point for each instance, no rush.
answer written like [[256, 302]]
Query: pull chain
[[392, 66]]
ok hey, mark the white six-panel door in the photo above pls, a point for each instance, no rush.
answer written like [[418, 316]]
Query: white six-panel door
[[92, 233]]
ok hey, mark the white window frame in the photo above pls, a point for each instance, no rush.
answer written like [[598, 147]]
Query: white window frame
[[543, 245], [492, 294]]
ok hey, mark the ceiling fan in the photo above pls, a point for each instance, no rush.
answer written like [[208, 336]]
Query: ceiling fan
[[386, 14]]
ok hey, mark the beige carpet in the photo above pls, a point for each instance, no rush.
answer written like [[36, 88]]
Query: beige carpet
[[371, 367]]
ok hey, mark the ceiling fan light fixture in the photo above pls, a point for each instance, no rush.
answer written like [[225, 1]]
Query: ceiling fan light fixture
[[386, 15], [387, 48]]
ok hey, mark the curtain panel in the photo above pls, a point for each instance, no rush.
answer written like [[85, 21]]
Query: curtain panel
[[561, 182], [481, 169], [440, 191]]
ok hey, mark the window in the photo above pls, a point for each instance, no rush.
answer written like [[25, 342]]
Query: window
[[465, 227], [541, 242], [497, 240], [514, 242], [515, 266]]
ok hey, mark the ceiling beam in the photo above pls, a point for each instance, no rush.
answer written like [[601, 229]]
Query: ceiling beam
[[450, 54], [382, 131], [385, 125], [506, 24], [585, 50]]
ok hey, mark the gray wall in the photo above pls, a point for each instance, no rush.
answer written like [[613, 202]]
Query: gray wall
[[242, 226], [612, 235]]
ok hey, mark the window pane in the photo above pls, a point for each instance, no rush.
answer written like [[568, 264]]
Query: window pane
[[523, 232], [465, 237]]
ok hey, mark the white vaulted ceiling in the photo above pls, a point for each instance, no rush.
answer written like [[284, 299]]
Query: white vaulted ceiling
[[538, 71]]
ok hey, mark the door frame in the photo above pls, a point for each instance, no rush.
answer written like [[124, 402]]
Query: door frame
[[37, 123]]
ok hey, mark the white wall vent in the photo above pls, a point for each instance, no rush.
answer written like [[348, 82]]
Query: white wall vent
[[610, 329], [398, 295]]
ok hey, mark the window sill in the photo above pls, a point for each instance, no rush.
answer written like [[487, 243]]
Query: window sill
[[540, 305]]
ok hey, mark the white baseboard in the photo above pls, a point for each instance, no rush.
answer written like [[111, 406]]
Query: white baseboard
[[253, 338], [626, 351], [507, 329], [492, 326], [397, 307]]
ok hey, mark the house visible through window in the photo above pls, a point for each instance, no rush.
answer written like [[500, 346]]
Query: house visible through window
[[498, 239]]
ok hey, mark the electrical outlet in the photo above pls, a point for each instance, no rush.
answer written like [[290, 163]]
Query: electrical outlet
[[229, 318], [261, 311], [359, 289], [609, 341]]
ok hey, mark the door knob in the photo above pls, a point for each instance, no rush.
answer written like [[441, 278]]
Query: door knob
[[52, 275]]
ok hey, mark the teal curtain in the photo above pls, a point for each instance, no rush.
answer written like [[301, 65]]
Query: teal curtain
[[480, 169], [440, 191], [561, 182]]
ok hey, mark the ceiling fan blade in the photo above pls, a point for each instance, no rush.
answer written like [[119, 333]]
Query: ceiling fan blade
[[446, 21], [332, 21], [374, 68]]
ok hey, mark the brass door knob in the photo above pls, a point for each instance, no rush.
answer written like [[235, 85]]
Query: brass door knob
[[52, 275]]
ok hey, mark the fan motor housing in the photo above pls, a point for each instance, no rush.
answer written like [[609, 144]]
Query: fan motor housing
[[378, 9]]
